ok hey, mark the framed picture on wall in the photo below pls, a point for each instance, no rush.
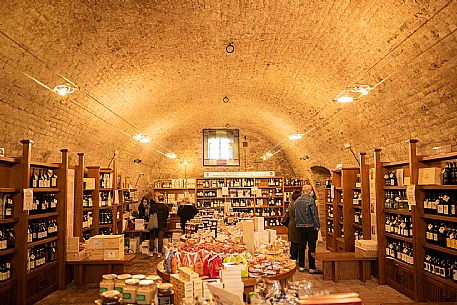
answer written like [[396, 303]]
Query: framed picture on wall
[[221, 147]]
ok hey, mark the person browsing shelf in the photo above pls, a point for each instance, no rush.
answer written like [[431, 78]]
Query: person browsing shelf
[[161, 209], [186, 211]]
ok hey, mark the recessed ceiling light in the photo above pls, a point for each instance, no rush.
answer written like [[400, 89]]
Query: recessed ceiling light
[[170, 155], [268, 154], [142, 138], [230, 48], [64, 89], [345, 99], [295, 136]]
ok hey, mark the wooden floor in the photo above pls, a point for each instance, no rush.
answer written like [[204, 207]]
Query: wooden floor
[[370, 292]]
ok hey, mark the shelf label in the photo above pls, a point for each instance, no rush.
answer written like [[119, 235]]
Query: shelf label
[[28, 199], [225, 191], [411, 195]]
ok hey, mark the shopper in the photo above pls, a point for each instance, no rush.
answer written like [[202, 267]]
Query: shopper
[[144, 208], [308, 226], [161, 209], [186, 211], [292, 226]]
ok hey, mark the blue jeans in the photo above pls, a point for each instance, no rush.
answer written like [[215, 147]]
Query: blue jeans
[[307, 236]]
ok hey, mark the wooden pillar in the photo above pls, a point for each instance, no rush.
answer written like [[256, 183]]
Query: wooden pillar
[[365, 188], [380, 215], [79, 192], [62, 217]]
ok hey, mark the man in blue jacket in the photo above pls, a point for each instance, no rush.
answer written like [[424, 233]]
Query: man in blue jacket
[[308, 226]]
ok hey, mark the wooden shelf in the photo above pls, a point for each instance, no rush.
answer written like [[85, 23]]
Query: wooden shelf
[[88, 190], [399, 237], [357, 207], [108, 207], [203, 188], [44, 164], [105, 189], [8, 251], [451, 155], [209, 198], [395, 187], [396, 163], [88, 229], [293, 186], [10, 160], [268, 207], [330, 233], [271, 216], [106, 170], [42, 241], [8, 220], [88, 209], [338, 188], [250, 207], [7, 284], [402, 263], [357, 225], [269, 197], [269, 187], [437, 187], [330, 218], [174, 189], [447, 282], [106, 225], [439, 248], [129, 190], [398, 212], [239, 197], [46, 189], [440, 217], [44, 215], [45, 266], [9, 190]]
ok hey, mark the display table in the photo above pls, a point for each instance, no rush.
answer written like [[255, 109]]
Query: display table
[[87, 271], [249, 282]]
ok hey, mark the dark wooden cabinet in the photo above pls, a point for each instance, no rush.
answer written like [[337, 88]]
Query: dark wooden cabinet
[[8, 292], [42, 282], [434, 291], [400, 277]]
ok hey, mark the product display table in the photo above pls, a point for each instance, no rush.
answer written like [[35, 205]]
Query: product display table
[[87, 271], [249, 282], [345, 266]]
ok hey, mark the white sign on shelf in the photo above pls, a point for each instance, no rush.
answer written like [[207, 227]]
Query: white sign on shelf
[[265, 174], [411, 195], [28, 199], [225, 191]]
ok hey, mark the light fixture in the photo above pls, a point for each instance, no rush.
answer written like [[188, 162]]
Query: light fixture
[[268, 154], [230, 48], [185, 162], [295, 136], [345, 99], [142, 138], [350, 94], [362, 89], [348, 146], [64, 89], [170, 155]]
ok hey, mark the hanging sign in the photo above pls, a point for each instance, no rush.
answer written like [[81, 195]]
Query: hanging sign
[[28, 199], [265, 174]]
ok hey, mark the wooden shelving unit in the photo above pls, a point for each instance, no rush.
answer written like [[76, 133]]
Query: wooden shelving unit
[[413, 280]]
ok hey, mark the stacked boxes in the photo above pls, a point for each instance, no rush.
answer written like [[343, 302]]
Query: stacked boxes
[[231, 277], [73, 252], [184, 290], [106, 247], [215, 282], [254, 234]]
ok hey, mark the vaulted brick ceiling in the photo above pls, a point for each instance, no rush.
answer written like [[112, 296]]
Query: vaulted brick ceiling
[[163, 67]]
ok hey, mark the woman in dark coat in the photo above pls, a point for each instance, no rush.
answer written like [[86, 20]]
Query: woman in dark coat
[[292, 229]]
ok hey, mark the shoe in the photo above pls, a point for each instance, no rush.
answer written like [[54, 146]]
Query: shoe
[[315, 271], [301, 269], [159, 255]]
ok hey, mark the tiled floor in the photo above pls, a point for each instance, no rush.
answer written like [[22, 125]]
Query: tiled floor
[[370, 292]]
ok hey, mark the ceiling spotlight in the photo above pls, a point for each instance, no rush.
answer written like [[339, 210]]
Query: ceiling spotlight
[[142, 138], [345, 99], [264, 158], [64, 89], [354, 93], [170, 155], [295, 136], [137, 161], [230, 48], [268, 154], [347, 145], [225, 99], [362, 89], [306, 157]]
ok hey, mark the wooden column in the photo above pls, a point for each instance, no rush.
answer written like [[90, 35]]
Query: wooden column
[[380, 215], [365, 188], [62, 217], [79, 192]]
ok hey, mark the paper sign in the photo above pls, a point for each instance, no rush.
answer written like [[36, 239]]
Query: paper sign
[[225, 297], [372, 186], [411, 194], [264, 174], [70, 201], [28, 199], [225, 191]]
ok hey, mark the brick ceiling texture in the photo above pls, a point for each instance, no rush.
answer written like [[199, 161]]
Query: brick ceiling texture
[[161, 68]]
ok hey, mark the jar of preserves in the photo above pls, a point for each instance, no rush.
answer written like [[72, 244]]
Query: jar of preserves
[[165, 294], [131, 286], [146, 292], [119, 283], [111, 297], [107, 282]]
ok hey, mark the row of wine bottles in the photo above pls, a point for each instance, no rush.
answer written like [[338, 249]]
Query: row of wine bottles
[[450, 173], [390, 178], [442, 234], [441, 203], [358, 234], [87, 201], [106, 180], [358, 218], [7, 237], [268, 212], [272, 222], [400, 250], [39, 255], [395, 200], [106, 200], [5, 270], [212, 183], [357, 198], [43, 178], [210, 203], [88, 220], [43, 203], [399, 225], [441, 265], [6, 205], [41, 229], [106, 217]]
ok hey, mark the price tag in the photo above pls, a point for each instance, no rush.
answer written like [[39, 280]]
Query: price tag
[[28, 199], [411, 194]]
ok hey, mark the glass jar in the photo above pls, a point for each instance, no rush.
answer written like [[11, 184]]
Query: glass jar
[[119, 283], [107, 282], [131, 286], [111, 297], [165, 294], [146, 292], [139, 277]]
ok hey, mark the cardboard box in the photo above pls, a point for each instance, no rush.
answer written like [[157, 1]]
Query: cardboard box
[[407, 180], [75, 256], [73, 244], [95, 254], [95, 243], [89, 183], [430, 176], [247, 227], [271, 235], [366, 248], [101, 242], [139, 224], [187, 274], [259, 224], [110, 255]]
